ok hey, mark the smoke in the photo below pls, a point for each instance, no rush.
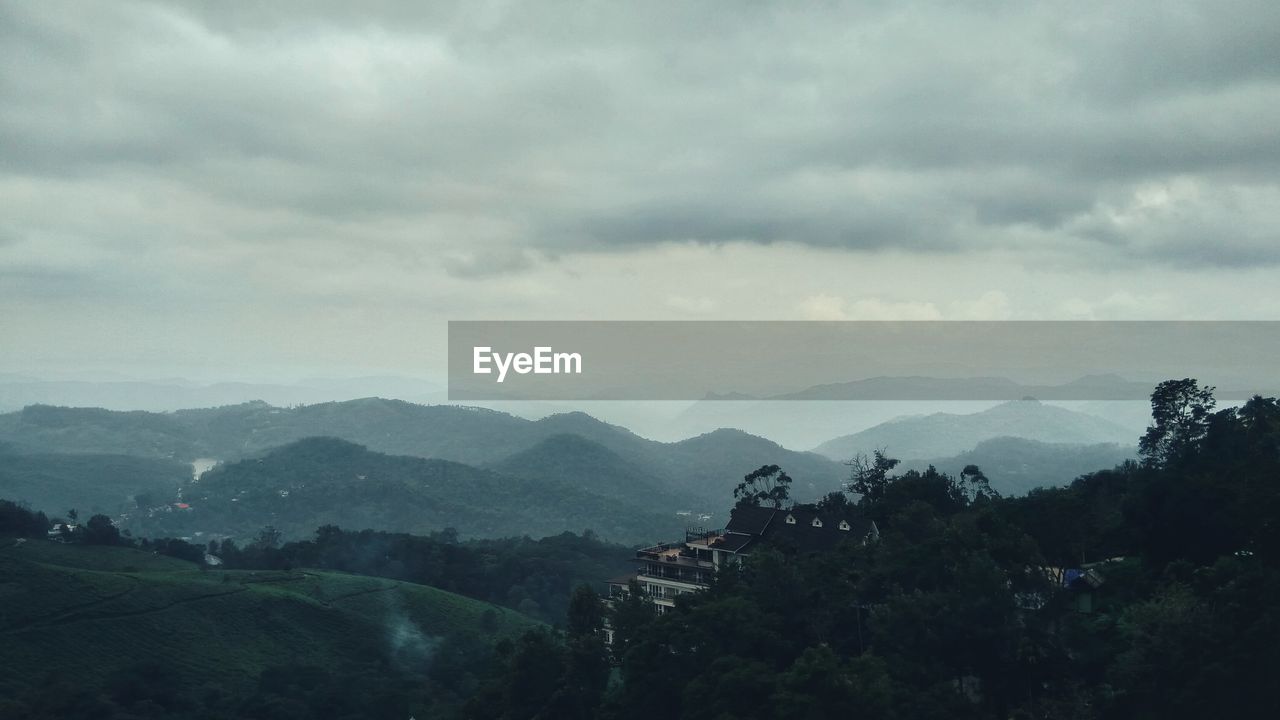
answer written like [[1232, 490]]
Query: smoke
[[407, 645]]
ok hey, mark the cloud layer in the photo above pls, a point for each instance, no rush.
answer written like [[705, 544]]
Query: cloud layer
[[349, 157]]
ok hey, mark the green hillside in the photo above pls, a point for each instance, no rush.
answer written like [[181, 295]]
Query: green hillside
[[90, 612], [591, 467], [91, 483], [325, 481]]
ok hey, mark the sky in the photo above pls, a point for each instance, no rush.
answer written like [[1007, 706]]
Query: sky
[[266, 191]]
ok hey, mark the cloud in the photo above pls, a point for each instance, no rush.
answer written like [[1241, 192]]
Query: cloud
[[933, 128], [319, 164]]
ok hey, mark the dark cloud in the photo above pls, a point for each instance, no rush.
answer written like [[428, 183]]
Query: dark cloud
[[478, 130]]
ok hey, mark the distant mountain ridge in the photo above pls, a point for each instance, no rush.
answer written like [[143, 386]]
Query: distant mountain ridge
[[945, 434], [703, 468], [1088, 387], [1016, 466]]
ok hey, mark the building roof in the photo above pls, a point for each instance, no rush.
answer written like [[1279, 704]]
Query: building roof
[[733, 542], [803, 528], [749, 519]]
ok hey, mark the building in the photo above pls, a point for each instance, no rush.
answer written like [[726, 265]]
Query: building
[[669, 570]]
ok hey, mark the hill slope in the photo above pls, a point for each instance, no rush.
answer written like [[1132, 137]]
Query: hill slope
[[590, 467], [93, 483], [224, 627], [944, 434], [715, 462], [321, 481]]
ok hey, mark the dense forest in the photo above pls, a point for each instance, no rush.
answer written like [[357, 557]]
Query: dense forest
[[1142, 591], [1145, 591], [534, 577], [326, 481]]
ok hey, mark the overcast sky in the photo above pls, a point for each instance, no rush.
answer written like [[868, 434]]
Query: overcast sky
[[317, 187]]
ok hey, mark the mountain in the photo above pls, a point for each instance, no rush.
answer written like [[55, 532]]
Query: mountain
[[465, 434], [321, 481], [945, 434], [716, 461], [93, 483], [92, 616], [45, 428], [804, 423], [1017, 465], [812, 415], [703, 469], [590, 467]]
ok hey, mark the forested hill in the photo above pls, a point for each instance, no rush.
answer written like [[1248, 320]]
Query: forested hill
[[326, 481], [1146, 591], [92, 483]]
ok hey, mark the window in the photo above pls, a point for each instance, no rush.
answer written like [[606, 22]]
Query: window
[[791, 519], [844, 524], [817, 522]]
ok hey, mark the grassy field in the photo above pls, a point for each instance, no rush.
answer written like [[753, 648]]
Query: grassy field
[[86, 611]]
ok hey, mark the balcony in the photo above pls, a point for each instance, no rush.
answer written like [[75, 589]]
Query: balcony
[[672, 556]]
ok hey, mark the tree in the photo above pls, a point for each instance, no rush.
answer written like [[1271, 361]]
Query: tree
[[835, 501], [531, 674], [1180, 412], [19, 521], [766, 484], [870, 476], [586, 612], [629, 617], [101, 531], [976, 485]]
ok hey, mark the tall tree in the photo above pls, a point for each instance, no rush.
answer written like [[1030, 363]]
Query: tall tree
[[586, 612], [1180, 411], [869, 477], [768, 484]]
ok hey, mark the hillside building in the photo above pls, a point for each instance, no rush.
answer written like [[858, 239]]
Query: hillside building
[[669, 570]]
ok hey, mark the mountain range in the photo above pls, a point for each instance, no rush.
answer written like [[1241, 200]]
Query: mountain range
[[394, 465], [945, 434], [702, 469]]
